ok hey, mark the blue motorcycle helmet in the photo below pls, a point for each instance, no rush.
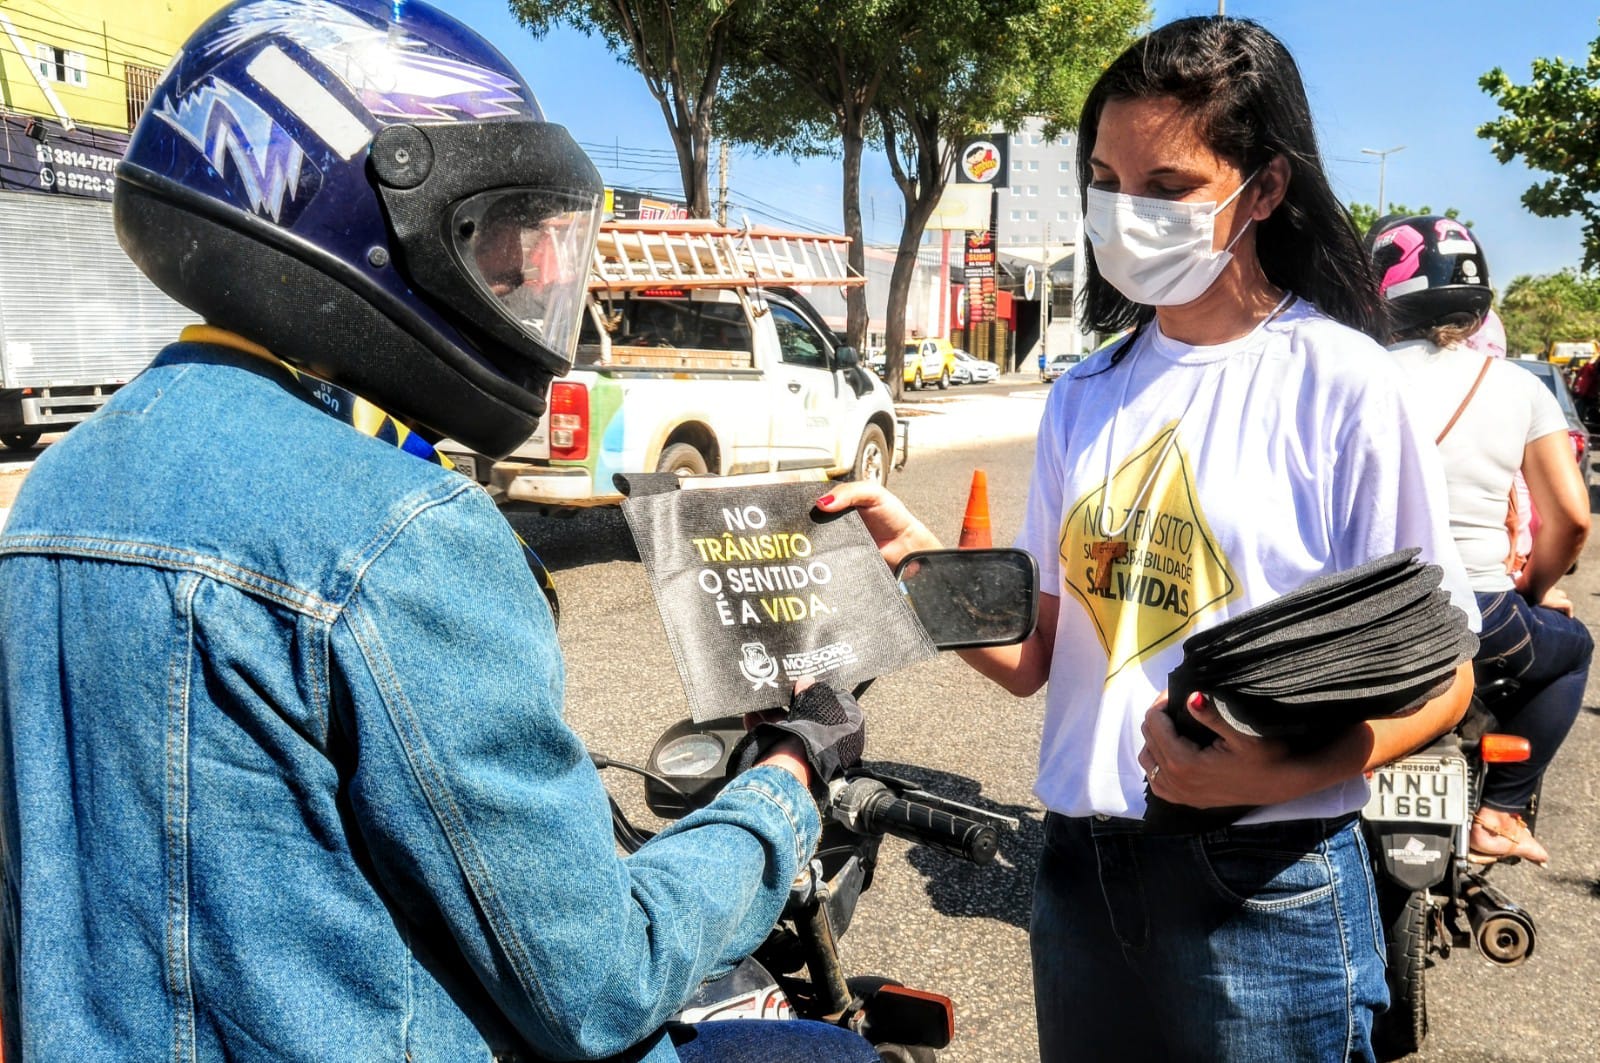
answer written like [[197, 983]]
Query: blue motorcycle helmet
[[370, 191]]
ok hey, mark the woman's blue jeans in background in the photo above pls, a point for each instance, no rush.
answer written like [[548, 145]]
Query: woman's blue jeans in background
[[1547, 653]]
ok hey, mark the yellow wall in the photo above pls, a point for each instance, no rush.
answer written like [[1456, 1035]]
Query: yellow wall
[[110, 34]]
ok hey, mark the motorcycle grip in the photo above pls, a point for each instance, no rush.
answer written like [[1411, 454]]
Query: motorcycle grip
[[883, 813]]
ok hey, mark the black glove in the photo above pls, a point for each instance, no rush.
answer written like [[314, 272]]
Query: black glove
[[828, 724]]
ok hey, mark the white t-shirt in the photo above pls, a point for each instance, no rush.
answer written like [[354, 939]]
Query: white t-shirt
[[1483, 452], [1235, 473]]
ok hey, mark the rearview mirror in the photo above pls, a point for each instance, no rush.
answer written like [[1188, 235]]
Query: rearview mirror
[[848, 362], [971, 598]]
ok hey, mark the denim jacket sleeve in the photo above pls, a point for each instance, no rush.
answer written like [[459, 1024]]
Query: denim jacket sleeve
[[479, 804]]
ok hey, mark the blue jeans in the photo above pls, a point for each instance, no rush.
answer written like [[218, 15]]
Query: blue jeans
[[1242, 944], [758, 1041], [1547, 653]]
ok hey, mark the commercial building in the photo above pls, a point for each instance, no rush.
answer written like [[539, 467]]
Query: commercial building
[[1038, 218], [90, 62]]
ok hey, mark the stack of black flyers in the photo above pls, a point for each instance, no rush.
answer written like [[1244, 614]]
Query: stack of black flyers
[[1379, 640]]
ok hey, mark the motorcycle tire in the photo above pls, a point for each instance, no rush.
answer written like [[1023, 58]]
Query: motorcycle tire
[[1401, 1030]]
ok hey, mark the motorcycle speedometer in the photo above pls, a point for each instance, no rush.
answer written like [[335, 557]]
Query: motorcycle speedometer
[[689, 755]]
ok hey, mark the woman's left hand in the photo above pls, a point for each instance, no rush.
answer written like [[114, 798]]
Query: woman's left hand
[[1236, 769], [1557, 599], [892, 526]]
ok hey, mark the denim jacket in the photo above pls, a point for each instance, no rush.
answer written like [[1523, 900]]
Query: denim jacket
[[283, 772]]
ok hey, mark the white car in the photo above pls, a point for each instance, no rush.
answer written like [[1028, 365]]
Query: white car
[[970, 370], [1059, 365]]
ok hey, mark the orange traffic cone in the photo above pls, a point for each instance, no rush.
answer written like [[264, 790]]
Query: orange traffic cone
[[975, 524]]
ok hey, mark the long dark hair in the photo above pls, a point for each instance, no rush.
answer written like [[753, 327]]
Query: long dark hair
[[1244, 86]]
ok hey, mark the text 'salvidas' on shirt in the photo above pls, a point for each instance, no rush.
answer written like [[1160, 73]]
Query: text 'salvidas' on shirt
[[1188, 484]]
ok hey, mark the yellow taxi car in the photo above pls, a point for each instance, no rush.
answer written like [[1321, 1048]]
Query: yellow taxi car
[[929, 360]]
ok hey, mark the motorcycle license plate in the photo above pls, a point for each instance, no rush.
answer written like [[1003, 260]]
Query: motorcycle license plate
[[1419, 789]]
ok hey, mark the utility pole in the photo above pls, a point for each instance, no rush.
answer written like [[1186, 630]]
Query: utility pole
[[1044, 299], [1383, 163], [722, 182]]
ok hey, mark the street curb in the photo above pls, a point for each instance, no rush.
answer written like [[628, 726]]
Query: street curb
[[998, 413]]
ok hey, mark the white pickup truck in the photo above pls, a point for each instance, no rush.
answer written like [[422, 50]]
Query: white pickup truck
[[697, 378]]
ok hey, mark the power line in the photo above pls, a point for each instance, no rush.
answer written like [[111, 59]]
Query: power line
[[89, 40], [636, 162], [767, 210], [102, 33], [629, 148]]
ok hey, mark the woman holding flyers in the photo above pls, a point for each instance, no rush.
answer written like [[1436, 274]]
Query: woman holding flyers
[[1246, 436]]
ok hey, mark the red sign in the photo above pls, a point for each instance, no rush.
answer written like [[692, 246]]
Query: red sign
[[979, 266]]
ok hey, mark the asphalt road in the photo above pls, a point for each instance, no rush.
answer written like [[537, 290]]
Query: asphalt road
[[934, 922], [930, 920]]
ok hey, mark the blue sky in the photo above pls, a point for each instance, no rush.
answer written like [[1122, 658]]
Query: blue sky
[[1380, 73]]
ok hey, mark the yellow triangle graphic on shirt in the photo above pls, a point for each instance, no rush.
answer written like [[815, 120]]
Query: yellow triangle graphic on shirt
[[1168, 571]]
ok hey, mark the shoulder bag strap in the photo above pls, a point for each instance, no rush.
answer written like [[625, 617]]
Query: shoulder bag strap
[[1454, 417]]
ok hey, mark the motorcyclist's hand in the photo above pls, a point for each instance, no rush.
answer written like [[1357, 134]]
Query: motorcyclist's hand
[[1236, 769], [891, 525], [828, 726], [789, 755]]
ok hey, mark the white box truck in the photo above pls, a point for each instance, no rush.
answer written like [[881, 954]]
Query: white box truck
[[77, 318]]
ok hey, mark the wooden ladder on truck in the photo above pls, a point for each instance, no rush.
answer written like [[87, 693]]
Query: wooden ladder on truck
[[639, 255]]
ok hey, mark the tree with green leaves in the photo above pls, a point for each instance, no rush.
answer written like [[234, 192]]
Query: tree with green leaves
[[1365, 215], [981, 65], [680, 48], [1556, 307], [1553, 123], [803, 79]]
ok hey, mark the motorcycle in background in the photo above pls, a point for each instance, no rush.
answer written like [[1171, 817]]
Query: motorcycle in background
[[964, 598], [1432, 897]]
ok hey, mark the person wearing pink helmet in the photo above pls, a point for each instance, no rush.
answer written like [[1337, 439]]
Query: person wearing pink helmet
[[1491, 419]]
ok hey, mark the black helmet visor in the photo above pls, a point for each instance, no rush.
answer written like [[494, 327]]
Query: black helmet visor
[[496, 222], [529, 253]]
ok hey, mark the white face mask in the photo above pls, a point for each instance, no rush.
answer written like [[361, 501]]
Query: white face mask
[[1155, 251]]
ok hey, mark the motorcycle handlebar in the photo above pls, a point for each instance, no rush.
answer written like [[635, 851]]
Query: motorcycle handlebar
[[869, 807]]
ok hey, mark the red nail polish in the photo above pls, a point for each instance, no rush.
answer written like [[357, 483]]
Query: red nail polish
[[825, 500], [1196, 700]]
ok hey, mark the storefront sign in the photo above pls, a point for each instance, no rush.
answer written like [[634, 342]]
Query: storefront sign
[[627, 205], [37, 155], [983, 160], [979, 266]]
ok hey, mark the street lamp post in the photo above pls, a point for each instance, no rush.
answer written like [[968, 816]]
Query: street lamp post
[[1383, 164]]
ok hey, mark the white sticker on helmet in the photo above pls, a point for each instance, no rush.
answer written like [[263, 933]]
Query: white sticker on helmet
[[1406, 287], [316, 107]]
